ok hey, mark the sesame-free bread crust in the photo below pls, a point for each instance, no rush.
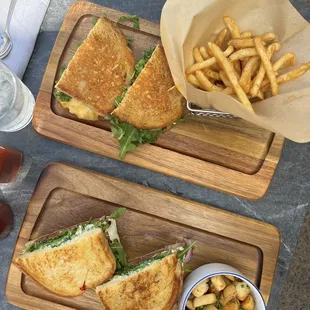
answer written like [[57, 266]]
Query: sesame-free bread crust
[[156, 287], [152, 102], [63, 270], [100, 68]]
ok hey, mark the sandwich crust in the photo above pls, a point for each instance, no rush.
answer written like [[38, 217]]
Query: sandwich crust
[[100, 68], [156, 287], [63, 270], [152, 102]]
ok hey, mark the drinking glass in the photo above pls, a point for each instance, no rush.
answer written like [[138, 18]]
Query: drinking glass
[[10, 162], [16, 101]]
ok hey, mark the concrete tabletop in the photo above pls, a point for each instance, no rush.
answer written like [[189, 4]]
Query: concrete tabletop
[[284, 205]]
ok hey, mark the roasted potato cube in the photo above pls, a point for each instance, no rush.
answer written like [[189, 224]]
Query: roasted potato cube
[[243, 290], [189, 305], [204, 300], [229, 293], [233, 305], [231, 278], [210, 307], [200, 289], [218, 282], [248, 303]]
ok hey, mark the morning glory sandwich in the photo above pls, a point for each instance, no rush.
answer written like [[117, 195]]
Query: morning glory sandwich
[[69, 261], [152, 283], [149, 105]]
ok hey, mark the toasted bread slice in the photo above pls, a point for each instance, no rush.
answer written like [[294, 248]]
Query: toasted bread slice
[[155, 287], [100, 68], [149, 102], [62, 270]]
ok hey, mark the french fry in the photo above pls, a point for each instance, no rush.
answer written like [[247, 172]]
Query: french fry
[[232, 27], [228, 91], [197, 55], [241, 43], [228, 69], [245, 52], [288, 76], [212, 74], [261, 73], [268, 36], [236, 73], [191, 78], [249, 42], [267, 64], [225, 79], [246, 34], [205, 83], [251, 66], [207, 63], [220, 38], [237, 67], [288, 59], [204, 53]]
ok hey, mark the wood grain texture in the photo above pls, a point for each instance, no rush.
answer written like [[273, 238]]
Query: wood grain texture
[[229, 155], [67, 195]]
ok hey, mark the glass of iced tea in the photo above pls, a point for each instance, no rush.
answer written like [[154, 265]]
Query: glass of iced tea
[[10, 162], [16, 101]]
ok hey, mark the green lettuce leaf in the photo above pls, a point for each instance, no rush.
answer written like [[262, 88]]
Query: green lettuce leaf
[[132, 18], [130, 137], [119, 254]]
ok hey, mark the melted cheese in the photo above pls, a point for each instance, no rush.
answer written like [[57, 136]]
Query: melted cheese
[[79, 109], [112, 231]]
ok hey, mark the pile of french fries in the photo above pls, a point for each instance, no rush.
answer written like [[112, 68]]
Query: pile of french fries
[[239, 64]]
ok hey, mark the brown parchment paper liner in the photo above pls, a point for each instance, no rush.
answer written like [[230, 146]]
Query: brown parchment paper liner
[[189, 23]]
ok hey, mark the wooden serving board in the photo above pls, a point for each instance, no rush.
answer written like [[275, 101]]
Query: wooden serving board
[[229, 155], [67, 195]]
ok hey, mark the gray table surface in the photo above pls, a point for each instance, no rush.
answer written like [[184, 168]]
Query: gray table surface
[[284, 205]]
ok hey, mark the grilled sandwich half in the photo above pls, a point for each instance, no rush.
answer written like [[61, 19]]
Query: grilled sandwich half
[[153, 284], [152, 102], [98, 72], [68, 262]]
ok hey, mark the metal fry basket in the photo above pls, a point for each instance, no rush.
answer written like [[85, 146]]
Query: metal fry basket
[[194, 110]]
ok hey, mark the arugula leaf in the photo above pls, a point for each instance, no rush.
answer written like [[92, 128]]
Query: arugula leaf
[[62, 70], [116, 214], [131, 268], [147, 54], [132, 18], [59, 95], [119, 99], [94, 21], [129, 40], [119, 253], [182, 254], [130, 137]]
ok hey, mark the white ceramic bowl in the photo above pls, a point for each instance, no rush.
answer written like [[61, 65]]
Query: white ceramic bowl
[[206, 271]]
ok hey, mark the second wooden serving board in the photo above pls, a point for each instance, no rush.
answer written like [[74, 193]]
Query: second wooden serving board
[[229, 155], [66, 195]]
